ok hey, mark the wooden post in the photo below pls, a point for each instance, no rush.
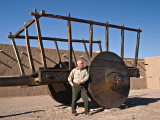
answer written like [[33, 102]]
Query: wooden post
[[70, 43], [122, 42], [100, 48], [107, 38], [86, 50], [17, 55], [60, 62], [29, 51], [74, 57], [90, 40], [40, 41], [137, 48]]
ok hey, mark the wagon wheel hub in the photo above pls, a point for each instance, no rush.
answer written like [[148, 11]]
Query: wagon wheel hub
[[113, 81]]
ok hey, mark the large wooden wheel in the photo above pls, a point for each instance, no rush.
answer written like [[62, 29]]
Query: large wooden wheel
[[61, 92], [109, 81]]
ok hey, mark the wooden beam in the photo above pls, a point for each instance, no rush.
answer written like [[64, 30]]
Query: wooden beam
[[74, 57], [90, 40], [55, 39], [107, 38], [69, 43], [18, 81], [83, 21], [29, 51], [122, 42], [137, 49], [17, 55], [86, 50], [25, 26], [58, 54], [100, 48], [40, 42]]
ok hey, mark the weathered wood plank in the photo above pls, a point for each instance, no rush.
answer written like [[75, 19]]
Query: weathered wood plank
[[58, 54], [86, 50], [29, 51], [84, 21], [100, 47], [137, 49], [40, 43], [74, 57], [26, 25], [122, 42], [55, 39], [90, 40], [17, 55], [107, 38], [17, 81], [69, 43]]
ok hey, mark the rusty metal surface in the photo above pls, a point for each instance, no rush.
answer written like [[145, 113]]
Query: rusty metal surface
[[109, 81]]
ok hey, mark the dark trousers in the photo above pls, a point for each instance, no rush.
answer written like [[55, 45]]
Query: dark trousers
[[76, 89]]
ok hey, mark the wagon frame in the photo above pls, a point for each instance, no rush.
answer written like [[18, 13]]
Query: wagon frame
[[46, 75]]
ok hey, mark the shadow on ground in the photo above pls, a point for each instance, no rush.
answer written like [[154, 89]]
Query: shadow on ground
[[92, 105], [129, 103], [137, 101], [21, 113]]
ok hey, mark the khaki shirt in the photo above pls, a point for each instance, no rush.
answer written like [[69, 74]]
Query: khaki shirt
[[78, 75]]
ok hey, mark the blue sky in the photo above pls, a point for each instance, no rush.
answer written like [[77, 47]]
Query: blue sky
[[143, 14]]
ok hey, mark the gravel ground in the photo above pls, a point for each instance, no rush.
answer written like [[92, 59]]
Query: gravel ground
[[140, 105]]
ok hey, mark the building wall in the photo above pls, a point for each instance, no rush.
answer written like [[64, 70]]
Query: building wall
[[137, 83], [153, 72], [9, 67]]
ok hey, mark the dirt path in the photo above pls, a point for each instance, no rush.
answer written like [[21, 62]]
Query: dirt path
[[140, 105]]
